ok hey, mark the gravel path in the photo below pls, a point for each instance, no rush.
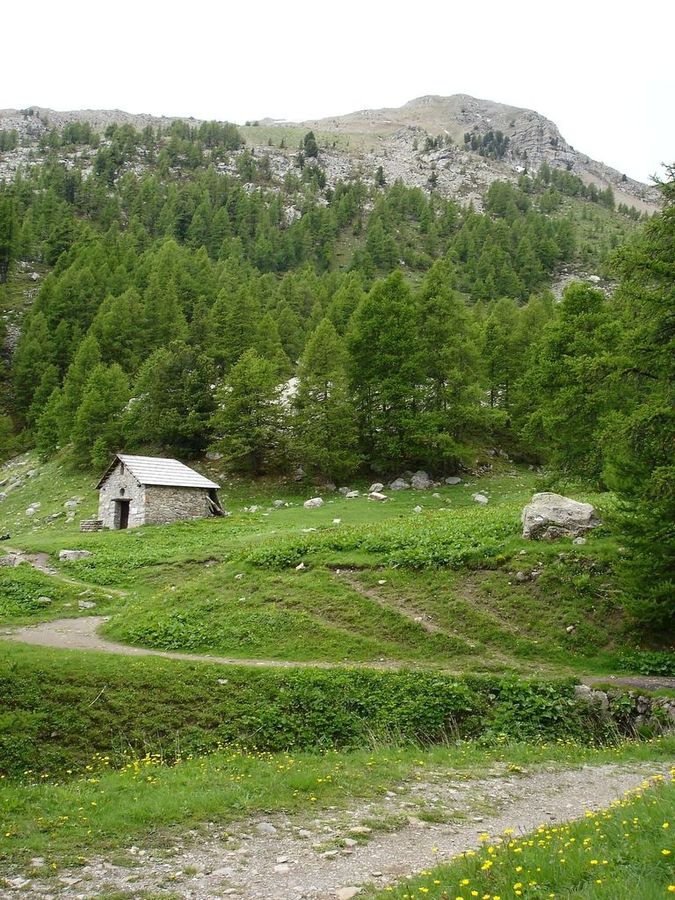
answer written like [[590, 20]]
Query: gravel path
[[334, 855], [82, 634]]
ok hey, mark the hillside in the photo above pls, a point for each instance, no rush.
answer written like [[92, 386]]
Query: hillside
[[360, 142]]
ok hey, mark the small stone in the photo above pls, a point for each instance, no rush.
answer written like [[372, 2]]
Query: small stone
[[454, 479], [300, 567], [579, 541], [437, 496], [346, 893], [282, 869], [417, 509], [304, 833], [337, 521], [360, 829], [239, 576], [265, 828], [382, 581], [570, 629], [350, 842], [313, 503], [376, 487], [479, 498], [376, 495], [222, 680], [351, 495], [86, 604]]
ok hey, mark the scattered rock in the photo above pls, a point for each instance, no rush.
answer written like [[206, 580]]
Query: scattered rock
[[399, 484], [11, 560], [351, 495], [344, 491], [417, 509], [437, 496], [377, 495], [265, 828], [86, 604], [421, 481], [549, 516], [479, 498], [300, 567], [213, 455], [329, 487], [579, 541], [299, 474], [314, 503], [453, 479], [376, 487], [346, 893], [337, 521], [279, 504], [282, 868]]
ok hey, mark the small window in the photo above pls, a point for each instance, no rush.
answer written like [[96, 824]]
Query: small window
[[122, 492]]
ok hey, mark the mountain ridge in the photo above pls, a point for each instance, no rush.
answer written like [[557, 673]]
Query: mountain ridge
[[390, 137]]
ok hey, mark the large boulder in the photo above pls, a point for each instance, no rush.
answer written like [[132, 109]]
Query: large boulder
[[550, 516], [314, 503], [73, 555]]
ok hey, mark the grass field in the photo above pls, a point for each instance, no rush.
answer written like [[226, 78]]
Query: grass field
[[452, 586]]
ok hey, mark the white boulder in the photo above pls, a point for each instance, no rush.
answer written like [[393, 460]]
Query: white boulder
[[351, 495], [377, 495], [479, 498], [73, 555], [549, 516], [453, 479], [376, 487], [314, 503]]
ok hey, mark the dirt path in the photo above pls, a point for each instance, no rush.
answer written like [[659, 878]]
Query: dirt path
[[301, 858], [42, 562], [82, 634]]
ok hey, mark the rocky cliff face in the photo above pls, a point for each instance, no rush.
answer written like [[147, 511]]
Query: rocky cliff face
[[360, 142]]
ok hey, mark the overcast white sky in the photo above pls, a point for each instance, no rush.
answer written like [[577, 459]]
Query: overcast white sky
[[602, 71]]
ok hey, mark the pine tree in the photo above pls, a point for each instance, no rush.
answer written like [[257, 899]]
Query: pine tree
[[385, 373], [97, 431], [86, 359], [638, 447], [248, 424], [268, 346], [325, 427], [173, 401]]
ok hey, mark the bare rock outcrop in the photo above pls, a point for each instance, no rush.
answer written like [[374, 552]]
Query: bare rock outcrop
[[549, 516]]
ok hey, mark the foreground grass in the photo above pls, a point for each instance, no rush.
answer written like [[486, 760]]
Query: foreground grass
[[622, 853], [101, 809]]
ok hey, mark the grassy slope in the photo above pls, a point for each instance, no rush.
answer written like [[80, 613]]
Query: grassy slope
[[183, 592]]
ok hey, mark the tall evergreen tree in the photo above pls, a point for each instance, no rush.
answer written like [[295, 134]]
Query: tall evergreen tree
[[325, 427], [248, 424], [97, 431]]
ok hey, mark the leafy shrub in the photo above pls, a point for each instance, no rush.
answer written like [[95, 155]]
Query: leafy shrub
[[62, 709], [647, 662]]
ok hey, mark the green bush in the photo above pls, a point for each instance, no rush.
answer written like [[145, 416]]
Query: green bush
[[647, 662], [61, 709]]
